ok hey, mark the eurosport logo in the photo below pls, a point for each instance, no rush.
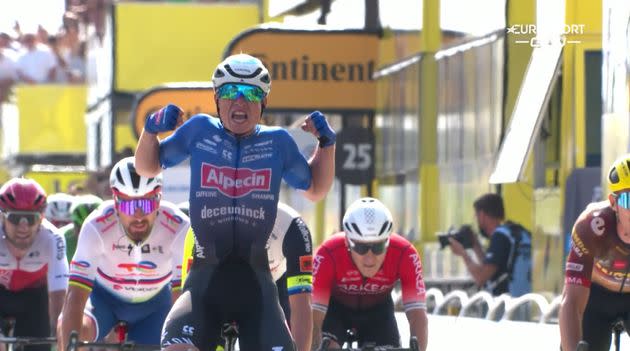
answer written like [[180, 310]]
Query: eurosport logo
[[142, 266], [563, 37], [235, 182]]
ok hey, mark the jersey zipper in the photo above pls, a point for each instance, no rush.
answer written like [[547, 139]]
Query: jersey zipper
[[234, 204]]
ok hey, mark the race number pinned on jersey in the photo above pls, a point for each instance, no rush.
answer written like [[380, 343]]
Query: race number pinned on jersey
[[306, 264]]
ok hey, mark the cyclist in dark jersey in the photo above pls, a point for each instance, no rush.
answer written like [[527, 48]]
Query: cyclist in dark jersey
[[596, 288], [290, 252], [236, 169]]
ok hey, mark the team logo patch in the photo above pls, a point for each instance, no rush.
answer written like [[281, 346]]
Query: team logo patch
[[142, 266], [235, 182], [306, 263]]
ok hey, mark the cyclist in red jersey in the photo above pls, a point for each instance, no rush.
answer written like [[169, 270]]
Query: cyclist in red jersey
[[33, 266], [596, 287], [354, 274]]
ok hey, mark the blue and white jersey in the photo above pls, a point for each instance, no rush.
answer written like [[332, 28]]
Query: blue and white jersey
[[234, 184]]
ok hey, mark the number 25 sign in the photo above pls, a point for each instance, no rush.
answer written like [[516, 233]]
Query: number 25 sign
[[354, 158]]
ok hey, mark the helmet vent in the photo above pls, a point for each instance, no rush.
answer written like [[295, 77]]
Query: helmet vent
[[385, 227], [135, 177], [238, 75], [11, 198], [348, 228], [39, 199], [356, 228], [219, 74], [265, 79], [119, 176], [613, 176]]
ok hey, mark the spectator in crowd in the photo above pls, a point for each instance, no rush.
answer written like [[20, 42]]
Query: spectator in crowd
[[77, 64], [8, 44], [61, 71], [36, 64], [506, 265], [77, 188], [98, 183], [8, 67], [43, 35]]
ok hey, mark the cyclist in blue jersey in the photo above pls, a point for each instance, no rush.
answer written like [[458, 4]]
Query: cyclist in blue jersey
[[236, 169]]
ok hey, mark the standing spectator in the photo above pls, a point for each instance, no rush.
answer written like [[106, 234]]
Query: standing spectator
[[506, 266], [61, 55], [37, 63], [8, 67], [77, 64], [7, 44]]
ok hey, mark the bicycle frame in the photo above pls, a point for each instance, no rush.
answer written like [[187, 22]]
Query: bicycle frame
[[230, 333]]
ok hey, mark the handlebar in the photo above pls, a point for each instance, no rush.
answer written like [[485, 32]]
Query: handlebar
[[414, 345], [74, 344]]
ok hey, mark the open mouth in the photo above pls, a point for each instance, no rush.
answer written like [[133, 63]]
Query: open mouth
[[239, 117]]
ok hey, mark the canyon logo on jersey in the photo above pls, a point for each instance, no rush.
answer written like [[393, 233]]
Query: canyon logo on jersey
[[235, 182]]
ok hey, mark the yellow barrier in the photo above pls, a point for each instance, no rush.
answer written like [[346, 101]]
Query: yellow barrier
[[54, 182], [158, 43], [51, 118]]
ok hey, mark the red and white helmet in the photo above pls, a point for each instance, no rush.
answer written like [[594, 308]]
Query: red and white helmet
[[22, 194], [367, 220], [242, 69]]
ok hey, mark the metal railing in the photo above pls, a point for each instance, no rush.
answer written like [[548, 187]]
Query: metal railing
[[532, 307]]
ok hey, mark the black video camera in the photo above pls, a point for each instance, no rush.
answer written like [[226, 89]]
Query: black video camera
[[464, 235]]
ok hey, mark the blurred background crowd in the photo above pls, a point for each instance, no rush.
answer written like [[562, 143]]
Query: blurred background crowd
[[35, 53], [38, 53]]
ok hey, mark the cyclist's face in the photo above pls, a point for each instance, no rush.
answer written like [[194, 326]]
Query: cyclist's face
[[368, 263], [240, 116], [135, 221], [21, 234], [620, 203]]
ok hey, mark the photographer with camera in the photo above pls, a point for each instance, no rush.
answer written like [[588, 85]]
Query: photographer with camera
[[506, 266]]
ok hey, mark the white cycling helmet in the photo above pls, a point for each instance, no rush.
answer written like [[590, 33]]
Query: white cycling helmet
[[125, 180], [58, 208], [367, 220], [242, 69]]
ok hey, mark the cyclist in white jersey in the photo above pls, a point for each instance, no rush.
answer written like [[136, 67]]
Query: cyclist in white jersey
[[127, 261], [33, 268]]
